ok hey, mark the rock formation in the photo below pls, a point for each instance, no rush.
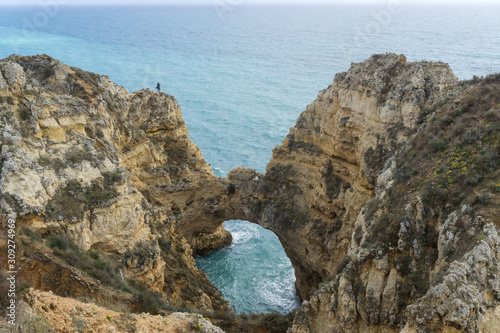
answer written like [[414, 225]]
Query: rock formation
[[384, 195], [394, 223], [108, 170]]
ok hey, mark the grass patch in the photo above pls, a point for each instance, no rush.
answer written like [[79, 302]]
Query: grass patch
[[37, 325], [456, 159], [57, 242], [31, 234], [146, 300], [79, 323], [125, 322], [105, 268]]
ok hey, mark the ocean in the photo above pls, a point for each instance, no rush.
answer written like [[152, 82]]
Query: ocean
[[242, 74]]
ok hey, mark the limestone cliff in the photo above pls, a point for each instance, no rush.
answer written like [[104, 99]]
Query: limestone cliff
[[85, 160], [387, 194], [339, 146], [327, 168]]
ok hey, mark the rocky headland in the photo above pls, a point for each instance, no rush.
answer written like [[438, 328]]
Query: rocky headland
[[385, 196]]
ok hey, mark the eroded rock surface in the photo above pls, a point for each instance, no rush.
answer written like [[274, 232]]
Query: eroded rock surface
[[421, 249], [85, 159]]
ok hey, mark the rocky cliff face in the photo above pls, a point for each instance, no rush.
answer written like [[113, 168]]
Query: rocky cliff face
[[340, 144], [84, 159], [384, 195], [404, 226]]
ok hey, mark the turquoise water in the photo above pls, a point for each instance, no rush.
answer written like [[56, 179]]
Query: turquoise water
[[243, 76], [254, 271]]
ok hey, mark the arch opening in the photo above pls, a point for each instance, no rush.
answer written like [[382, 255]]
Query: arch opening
[[253, 273]]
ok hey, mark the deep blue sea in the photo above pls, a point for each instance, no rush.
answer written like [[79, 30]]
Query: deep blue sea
[[242, 75]]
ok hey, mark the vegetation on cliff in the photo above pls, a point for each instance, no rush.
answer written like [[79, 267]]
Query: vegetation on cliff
[[424, 246]]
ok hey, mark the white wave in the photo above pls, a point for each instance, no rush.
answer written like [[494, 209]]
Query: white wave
[[241, 237], [219, 172]]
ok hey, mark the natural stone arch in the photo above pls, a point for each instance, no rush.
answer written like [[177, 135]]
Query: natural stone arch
[[329, 165], [267, 200]]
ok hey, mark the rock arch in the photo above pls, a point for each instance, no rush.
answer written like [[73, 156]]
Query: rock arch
[[328, 166]]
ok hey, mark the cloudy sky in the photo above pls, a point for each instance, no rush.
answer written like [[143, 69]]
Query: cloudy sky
[[243, 2]]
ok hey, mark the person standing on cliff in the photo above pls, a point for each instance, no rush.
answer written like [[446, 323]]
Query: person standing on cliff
[[158, 87]]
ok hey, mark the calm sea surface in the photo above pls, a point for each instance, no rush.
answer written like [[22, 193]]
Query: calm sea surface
[[242, 75]]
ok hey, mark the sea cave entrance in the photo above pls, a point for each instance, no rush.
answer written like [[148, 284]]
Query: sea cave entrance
[[254, 274]]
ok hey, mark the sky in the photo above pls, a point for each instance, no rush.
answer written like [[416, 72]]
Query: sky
[[233, 2]]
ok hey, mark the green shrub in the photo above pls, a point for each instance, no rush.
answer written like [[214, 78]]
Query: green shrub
[[456, 158], [67, 203], [79, 323], [54, 163], [96, 264], [37, 325], [149, 301], [31, 234], [341, 265], [333, 184], [371, 207], [77, 156], [71, 202], [415, 285], [99, 264], [274, 319], [358, 235], [58, 242], [94, 254]]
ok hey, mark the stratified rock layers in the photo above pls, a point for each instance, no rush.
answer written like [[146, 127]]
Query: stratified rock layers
[[379, 253]]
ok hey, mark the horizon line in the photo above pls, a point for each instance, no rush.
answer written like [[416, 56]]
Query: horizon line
[[184, 4]]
